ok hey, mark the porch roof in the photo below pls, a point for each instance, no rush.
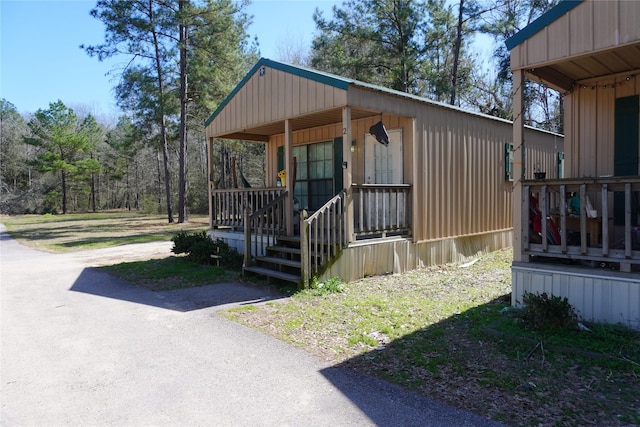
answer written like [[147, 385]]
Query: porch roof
[[579, 41]]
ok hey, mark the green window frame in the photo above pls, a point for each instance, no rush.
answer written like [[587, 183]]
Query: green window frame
[[560, 164], [508, 162], [314, 177]]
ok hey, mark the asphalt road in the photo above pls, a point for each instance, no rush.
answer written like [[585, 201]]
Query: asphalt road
[[79, 347]]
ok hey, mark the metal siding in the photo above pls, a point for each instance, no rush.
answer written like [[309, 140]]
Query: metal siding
[[581, 29], [604, 137], [539, 52], [272, 97], [604, 33], [629, 17], [589, 115], [557, 41], [591, 26], [587, 133], [398, 256], [463, 172]]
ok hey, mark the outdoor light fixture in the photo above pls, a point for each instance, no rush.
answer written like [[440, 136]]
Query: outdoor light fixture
[[353, 146]]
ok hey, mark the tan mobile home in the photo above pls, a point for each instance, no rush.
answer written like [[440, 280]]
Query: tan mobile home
[[375, 181], [590, 52]]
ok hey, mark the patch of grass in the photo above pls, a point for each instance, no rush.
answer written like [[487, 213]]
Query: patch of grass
[[74, 232], [426, 330], [249, 307], [170, 273], [614, 345]]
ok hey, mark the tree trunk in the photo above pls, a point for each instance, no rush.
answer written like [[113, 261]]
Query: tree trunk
[[93, 190], [64, 191], [163, 122], [182, 184], [456, 55]]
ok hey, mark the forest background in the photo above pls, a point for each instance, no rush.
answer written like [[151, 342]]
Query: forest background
[[183, 57]]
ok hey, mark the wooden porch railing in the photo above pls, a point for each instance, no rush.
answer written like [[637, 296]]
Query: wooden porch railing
[[228, 205], [322, 237], [264, 226], [381, 209], [594, 237]]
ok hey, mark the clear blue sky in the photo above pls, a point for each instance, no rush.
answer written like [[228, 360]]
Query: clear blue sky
[[41, 62]]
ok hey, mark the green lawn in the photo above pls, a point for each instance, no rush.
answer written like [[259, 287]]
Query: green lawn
[[75, 232]]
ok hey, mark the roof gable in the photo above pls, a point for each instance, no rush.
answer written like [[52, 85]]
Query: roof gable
[[543, 21], [313, 75]]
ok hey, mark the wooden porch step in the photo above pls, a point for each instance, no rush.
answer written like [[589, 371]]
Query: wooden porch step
[[289, 239], [279, 261], [273, 273], [284, 249]]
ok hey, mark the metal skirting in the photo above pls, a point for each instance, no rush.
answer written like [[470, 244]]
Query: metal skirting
[[398, 255], [598, 294]]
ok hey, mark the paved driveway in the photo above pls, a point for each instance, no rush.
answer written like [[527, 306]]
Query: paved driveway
[[82, 348]]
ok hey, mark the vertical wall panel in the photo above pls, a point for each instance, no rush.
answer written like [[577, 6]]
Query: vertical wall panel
[[629, 17], [581, 24], [604, 34]]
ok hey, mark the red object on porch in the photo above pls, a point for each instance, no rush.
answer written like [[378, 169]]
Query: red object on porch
[[535, 220]]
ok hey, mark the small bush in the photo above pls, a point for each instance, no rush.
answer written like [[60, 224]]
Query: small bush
[[199, 247], [543, 312], [331, 286]]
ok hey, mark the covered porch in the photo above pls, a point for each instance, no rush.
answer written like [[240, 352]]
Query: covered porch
[[578, 236], [330, 181]]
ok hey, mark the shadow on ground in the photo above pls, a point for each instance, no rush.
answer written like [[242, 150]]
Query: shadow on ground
[[422, 362], [96, 282]]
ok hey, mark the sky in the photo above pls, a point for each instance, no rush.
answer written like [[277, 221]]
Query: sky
[[41, 61]]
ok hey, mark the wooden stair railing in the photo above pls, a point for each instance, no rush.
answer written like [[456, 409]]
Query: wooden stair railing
[[265, 224], [322, 237]]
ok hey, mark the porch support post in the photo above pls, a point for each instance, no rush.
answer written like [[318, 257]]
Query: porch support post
[[288, 161], [347, 178], [518, 166], [210, 179]]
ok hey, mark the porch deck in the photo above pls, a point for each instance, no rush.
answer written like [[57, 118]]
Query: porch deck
[[605, 232], [260, 215]]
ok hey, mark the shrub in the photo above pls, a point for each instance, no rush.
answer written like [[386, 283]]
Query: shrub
[[543, 312], [199, 247], [331, 286]]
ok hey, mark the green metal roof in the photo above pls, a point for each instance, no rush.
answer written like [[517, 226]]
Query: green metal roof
[[547, 19]]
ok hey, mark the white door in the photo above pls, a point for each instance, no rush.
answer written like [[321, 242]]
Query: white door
[[383, 165]]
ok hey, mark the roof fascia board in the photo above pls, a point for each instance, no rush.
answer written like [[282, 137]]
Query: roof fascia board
[[546, 19]]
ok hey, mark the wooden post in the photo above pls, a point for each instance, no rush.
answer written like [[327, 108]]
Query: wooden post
[[247, 238], [305, 259], [347, 178], [288, 159], [211, 183], [518, 204]]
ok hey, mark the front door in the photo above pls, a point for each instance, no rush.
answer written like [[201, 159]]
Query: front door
[[383, 165], [627, 119]]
